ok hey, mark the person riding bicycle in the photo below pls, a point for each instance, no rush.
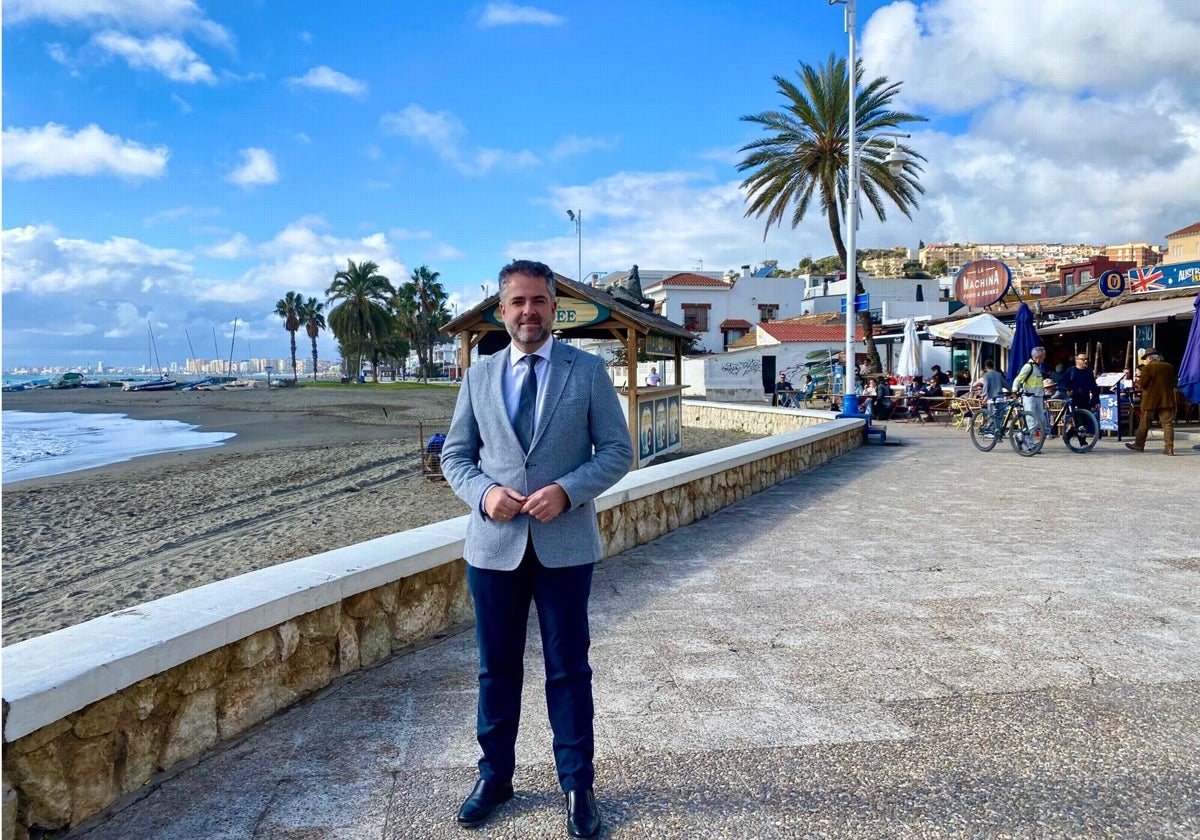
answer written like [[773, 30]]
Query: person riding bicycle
[[1030, 384], [992, 390], [1080, 384]]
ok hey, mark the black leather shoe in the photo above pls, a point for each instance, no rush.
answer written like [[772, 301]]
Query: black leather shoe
[[483, 800], [583, 817]]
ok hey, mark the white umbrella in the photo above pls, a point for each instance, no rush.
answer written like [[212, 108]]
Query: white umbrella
[[909, 363], [981, 327]]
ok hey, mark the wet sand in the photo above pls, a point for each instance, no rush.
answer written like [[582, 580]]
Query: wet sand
[[311, 469]]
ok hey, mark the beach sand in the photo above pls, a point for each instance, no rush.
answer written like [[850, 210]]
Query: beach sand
[[311, 469]]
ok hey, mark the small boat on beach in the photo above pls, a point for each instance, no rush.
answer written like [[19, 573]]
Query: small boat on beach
[[160, 384], [66, 380]]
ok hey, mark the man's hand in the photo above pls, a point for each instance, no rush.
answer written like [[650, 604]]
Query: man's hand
[[546, 503], [503, 503]]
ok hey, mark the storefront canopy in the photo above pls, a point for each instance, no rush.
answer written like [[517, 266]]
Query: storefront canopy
[[1125, 315], [981, 327]]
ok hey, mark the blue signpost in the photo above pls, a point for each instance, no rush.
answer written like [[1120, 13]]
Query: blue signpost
[[862, 303]]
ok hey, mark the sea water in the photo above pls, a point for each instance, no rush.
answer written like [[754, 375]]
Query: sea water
[[41, 444]]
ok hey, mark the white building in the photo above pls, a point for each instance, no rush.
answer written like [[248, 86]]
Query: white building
[[722, 311]]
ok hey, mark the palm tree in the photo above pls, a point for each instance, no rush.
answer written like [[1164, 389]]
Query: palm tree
[[361, 318], [420, 309], [806, 152], [313, 321], [288, 308]]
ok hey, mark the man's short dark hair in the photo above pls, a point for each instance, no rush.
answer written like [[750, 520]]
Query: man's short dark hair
[[530, 268], [989, 365]]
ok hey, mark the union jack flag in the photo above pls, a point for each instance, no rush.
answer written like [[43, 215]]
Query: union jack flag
[[1145, 279]]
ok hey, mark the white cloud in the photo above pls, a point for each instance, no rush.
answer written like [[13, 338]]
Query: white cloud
[[445, 134], [258, 167], [52, 150], [441, 130], [443, 252], [957, 54], [40, 261], [509, 14], [162, 53], [137, 15], [184, 107], [324, 78], [572, 145], [128, 322], [236, 247]]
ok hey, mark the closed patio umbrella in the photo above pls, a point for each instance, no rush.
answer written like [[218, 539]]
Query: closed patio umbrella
[[909, 363], [1025, 338], [1189, 367]]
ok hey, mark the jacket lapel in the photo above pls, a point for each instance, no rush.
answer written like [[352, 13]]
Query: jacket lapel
[[561, 363], [495, 384]]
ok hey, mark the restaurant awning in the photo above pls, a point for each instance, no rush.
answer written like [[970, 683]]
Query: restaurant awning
[[1125, 315]]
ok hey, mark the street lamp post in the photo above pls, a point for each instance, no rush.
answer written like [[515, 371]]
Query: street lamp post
[[576, 216], [895, 162]]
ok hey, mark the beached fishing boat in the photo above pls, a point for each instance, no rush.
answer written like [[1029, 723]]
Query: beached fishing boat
[[67, 380], [160, 384]]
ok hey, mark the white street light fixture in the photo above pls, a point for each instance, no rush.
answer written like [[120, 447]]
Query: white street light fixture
[[576, 216]]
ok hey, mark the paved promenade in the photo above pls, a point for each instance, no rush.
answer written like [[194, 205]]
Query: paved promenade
[[913, 641]]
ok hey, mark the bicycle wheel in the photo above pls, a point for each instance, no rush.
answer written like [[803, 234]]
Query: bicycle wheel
[[1026, 435], [1081, 431], [983, 431]]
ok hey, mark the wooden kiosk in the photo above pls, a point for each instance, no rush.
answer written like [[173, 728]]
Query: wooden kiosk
[[652, 413]]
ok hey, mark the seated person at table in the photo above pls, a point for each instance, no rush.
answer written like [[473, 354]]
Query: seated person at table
[[963, 380], [937, 379], [807, 387], [783, 392], [924, 393], [877, 399]]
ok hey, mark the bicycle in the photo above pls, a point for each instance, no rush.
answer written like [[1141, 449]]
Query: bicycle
[[1079, 427], [992, 423]]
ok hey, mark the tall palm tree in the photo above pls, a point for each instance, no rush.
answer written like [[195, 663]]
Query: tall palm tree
[[288, 308], [312, 318], [361, 318], [806, 153], [420, 309]]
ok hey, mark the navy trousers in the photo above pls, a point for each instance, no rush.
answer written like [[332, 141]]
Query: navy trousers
[[502, 602]]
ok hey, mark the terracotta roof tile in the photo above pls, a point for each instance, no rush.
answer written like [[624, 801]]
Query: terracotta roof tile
[[687, 278], [818, 333], [1187, 231], [735, 324]]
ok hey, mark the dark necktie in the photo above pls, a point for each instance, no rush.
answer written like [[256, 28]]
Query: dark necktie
[[527, 405]]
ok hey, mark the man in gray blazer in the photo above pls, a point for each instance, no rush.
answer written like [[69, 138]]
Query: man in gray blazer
[[537, 434]]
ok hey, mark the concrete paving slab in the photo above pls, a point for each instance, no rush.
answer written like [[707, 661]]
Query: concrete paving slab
[[915, 641]]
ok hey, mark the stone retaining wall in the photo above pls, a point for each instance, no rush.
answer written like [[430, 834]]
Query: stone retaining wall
[[86, 725], [757, 419]]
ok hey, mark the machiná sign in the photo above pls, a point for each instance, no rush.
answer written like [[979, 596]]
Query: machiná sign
[[982, 282]]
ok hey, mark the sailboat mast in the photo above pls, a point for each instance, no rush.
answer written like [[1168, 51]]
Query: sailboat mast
[[154, 348], [229, 367]]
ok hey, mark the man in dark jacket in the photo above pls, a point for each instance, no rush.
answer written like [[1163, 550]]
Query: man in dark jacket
[[1080, 384]]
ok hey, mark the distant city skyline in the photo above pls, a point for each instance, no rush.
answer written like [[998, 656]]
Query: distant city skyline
[[187, 163]]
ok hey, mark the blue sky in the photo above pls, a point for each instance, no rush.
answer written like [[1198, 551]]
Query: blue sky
[[187, 163]]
